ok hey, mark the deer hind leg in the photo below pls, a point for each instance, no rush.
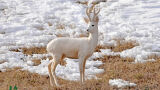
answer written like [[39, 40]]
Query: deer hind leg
[[53, 68], [50, 73]]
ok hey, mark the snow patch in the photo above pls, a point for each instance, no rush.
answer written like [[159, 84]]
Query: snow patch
[[121, 83]]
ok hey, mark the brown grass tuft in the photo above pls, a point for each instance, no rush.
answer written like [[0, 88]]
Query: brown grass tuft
[[114, 59], [2, 61], [34, 50], [36, 62], [124, 45], [72, 26], [154, 56], [49, 24], [86, 2], [60, 35], [121, 45], [82, 2], [40, 28], [83, 35], [2, 32], [97, 49], [60, 26], [30, 51]]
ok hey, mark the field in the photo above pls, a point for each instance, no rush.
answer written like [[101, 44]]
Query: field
[[127, 56]]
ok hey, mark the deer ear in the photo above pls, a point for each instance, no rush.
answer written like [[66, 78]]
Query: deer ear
[[86, 20]]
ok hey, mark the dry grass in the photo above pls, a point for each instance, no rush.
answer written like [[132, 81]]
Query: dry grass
[[32, 50], [2, 33], [82, 2], [25, 80], [49, 24], [86, 2], [60, 26], [36, 62], [72, 26], [40, 28], [2, 61], [62, 35], [97, 49], [121, 45], [153, 56]]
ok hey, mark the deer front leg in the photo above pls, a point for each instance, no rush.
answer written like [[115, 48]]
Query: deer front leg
[[82, 69], [83, 73]]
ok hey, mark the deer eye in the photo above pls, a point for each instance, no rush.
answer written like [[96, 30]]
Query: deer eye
[[92, 25]]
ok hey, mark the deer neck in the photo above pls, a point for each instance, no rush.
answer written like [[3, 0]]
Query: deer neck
[[93, 39]]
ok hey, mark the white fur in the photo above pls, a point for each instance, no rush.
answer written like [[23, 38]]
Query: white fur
[[76, 48]]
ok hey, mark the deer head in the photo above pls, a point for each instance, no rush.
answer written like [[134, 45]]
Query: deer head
[[92, 21]]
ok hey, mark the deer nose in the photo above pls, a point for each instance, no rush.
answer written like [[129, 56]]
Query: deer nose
[[87, 29]]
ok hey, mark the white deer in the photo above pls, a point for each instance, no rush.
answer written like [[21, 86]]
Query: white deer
[[75, 48]]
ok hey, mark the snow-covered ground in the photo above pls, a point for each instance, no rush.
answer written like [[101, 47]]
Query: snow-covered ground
[[33, 23]]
